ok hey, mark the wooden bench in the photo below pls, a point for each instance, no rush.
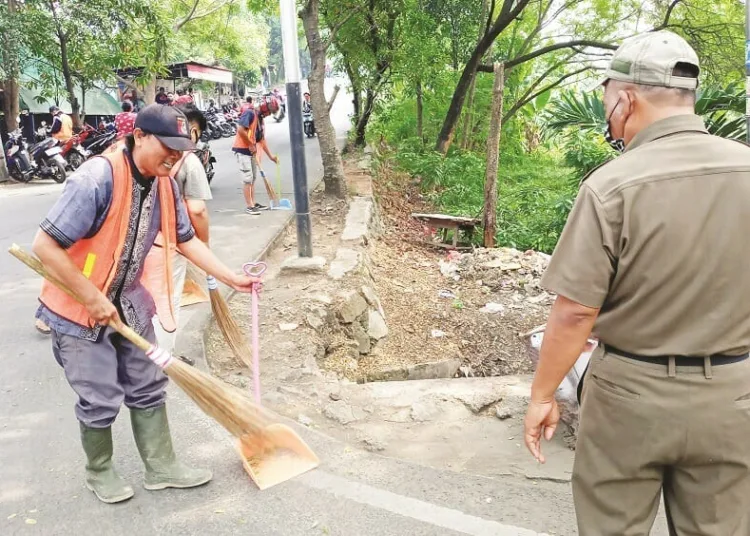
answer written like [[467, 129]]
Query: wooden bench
[[445, 223]]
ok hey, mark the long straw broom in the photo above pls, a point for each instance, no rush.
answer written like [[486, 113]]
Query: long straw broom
[[227, 325], [259, 438]]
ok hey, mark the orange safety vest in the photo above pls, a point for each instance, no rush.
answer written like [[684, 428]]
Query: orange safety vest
[[97, 257], [66, 131], [243, 141]]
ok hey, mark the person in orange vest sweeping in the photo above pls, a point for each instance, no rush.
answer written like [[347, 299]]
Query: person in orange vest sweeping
[[250, 135], [95, 240], [62, 125]]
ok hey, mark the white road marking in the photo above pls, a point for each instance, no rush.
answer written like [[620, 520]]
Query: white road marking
[[406, 506]]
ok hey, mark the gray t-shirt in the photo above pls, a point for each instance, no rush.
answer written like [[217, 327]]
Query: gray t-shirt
[[192, 180]]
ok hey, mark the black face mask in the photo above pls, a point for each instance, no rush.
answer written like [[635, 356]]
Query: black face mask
[[619, 143]]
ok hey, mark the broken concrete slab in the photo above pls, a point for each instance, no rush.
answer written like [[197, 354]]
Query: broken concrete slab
[[342, 412], [358, 219], [377, 328], [370, 296], [352, 306], [346, 261], [303, 265], [430, 371]]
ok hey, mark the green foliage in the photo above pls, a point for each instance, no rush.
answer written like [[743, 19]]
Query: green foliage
[[535, 193]]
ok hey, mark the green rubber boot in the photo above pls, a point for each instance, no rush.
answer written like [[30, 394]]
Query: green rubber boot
[[151, 432], [101, 477]]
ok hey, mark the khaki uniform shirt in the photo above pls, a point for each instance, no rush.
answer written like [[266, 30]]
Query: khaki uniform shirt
[[659, 239]]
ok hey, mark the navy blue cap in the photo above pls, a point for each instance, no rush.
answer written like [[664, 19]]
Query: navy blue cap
[[168, 124]]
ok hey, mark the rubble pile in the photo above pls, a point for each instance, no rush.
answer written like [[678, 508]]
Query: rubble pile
[[512, 273]]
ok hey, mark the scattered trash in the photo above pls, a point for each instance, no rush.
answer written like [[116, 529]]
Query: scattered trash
[[11, 516], [437, 333], [30, 521], [493, 308], [447, 294], [288, 327], [449, 269], [488, 500], [466, 371]]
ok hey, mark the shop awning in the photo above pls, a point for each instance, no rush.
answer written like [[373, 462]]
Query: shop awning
[[98, 102]]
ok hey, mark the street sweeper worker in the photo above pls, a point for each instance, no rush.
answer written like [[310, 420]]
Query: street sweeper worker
[[195, 190], [250, 135], [95, 240], [652, 258]]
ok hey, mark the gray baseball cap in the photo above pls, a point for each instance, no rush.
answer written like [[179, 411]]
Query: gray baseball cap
[[650, 58]]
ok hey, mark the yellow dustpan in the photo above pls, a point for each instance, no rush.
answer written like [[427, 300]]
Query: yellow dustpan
[[274, 453]]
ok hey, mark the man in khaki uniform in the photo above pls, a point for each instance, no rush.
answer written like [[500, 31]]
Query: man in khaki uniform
[[653, 260]]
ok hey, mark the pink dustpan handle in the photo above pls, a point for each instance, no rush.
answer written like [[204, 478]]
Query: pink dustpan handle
[[255, 269]]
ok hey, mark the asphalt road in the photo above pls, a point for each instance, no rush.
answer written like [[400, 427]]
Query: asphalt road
[[353, 493]]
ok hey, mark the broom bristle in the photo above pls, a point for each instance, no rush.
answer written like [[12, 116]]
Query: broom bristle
[[224, 403], [230, 330]]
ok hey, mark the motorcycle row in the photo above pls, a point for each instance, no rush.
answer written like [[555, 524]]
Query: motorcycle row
[[48, 158]]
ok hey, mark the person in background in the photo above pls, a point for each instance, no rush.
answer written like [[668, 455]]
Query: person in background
[[62, 125], [250, 134], [162, 97], [306, 103], [182, 98], [170, 99], [195, 190], [247, 105], [125, 120]]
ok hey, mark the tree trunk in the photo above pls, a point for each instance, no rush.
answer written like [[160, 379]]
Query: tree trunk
[[75, 107], [420, 112], [468, 113], [361, 126], [445, 138], [333, 168], [355, 91], [149, 91], [493, 146], [9, 56]]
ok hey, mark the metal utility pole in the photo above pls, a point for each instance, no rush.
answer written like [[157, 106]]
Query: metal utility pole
[[296, 135], [747, 68]]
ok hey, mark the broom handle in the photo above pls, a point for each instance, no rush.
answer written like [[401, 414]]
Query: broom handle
[[36, 265], [278, 178], [255, 269]]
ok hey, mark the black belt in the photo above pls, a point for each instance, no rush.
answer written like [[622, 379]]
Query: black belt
[[681, 360]]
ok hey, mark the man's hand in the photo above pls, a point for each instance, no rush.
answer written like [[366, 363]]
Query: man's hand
[[101, 310], [541, 419], [244, 283], [275, 159]]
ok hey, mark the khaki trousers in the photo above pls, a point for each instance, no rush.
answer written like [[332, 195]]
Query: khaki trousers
[[642, 432]]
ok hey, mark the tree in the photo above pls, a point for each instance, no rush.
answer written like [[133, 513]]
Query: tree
[[333, 169], [369, 44], [10, 52], [85, 40], [522, 23]]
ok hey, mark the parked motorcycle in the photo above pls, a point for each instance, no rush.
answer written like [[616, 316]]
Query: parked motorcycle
[[73, 150], [204, 154], [43, 132], [41, 160], [47, 155], [98, 141], [20, 165], [308, 123]]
